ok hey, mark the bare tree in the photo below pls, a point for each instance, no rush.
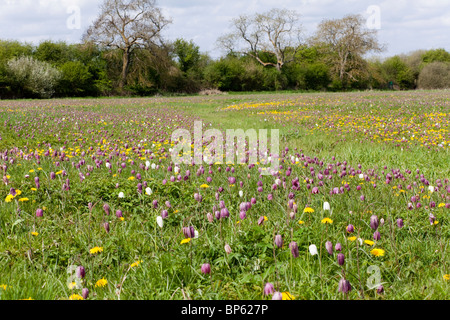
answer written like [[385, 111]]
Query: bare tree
[[345, 41], [264, 36], [126, 25]]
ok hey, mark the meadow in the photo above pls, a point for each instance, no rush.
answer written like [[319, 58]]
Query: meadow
[[92, 206]]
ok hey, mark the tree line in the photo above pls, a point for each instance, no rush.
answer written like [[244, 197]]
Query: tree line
[[123, 53]]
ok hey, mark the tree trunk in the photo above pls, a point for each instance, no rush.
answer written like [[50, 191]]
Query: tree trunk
[[125, 67]]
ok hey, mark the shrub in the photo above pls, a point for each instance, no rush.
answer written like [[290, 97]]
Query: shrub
[[435, 75], [32, 77]]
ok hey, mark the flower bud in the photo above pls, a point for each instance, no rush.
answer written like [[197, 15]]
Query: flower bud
[[329, 247], [376, 235], [278, 241], [344, 286], [206, 268], [39, 213], [106, 208], [338, 247], [80, 272], [340, 259], [85, 293], [268, 289], [374, 222], [277, 296], [294, 249], [106, 226], [400, 223], [227, 248]]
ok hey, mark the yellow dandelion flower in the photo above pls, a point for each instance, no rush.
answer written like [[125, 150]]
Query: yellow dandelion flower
[[31, 171], [34, 233], [131, 178], [204, 186], [101, 283], [75, 297], [435, 222], [327, 220], [9, 198], [265, 218], [59, 172], [377, 252], [441, 205], [23, 199], [185, 240], [28, 299], [8, 176], [135, 264], [308, 210], [33, 189], [352, 238], [96, 250], [447, 277], [72, 285], [18, 193], [287, 296], [369, 242], [301, 222], [122, 218], [3, 286]]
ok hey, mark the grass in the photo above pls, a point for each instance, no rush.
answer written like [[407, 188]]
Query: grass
[[320, 129]]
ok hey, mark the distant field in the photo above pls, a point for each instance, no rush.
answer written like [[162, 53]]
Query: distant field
[[91, 183]]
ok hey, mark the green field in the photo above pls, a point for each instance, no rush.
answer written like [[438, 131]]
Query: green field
[[100, 172]]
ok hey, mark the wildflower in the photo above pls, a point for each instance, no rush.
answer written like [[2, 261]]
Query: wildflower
[[326, 206], [188, 232], [75, 297], [380, 289], [338, 247], [101, 283], [106, 226], [374, 222], [441, 205], [400, 223], [344, 286], [131, 178], [268, 289], [301, 222], [447, 277], [313, 249], [369, 242], [121, 195], [106, 208], [96, 250], [377, 252], [340, 259], [206, 268], [327, 220], [350, 228], [9, 198], [308, 210], [278, 241], [135, 264], [277, 296], [80, 272], [227, 248], [287, 296], [159, 221], [34, 233], [72, 285], [241, 193], [23, 199], [85, 293], [186, 240], [119, 214], [329, 247], [376, 235], [294, 249], [204, 186], [352, 238]]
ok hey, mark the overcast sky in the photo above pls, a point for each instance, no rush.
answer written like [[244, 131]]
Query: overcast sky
[[403, 25]]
